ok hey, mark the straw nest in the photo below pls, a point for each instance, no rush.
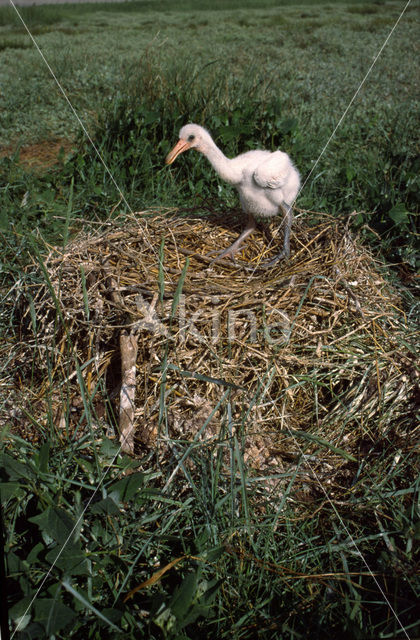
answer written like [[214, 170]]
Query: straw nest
[[305, 357]]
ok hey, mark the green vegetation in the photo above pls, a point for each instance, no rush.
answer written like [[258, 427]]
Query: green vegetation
[[244, 565], [46, 15], [277, 76], [289, 76]]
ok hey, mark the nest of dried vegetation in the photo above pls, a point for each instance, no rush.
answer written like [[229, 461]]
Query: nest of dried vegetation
[[307, 356]]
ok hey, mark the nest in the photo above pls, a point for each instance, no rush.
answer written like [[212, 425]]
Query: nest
[[304, 357]]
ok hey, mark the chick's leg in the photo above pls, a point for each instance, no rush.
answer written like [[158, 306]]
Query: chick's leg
[[230, 252], [285, 252]]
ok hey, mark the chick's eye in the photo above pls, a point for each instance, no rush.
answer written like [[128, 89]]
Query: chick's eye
[[191, 138]]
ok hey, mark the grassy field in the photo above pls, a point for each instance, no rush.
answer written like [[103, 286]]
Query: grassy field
[[229, 554]]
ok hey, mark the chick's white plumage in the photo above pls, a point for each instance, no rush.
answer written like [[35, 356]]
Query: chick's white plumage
[[267, 182]]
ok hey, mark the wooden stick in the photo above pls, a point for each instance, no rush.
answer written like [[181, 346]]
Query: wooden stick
[[128, 348]]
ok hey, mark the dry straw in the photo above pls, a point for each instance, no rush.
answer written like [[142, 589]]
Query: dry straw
[[308, 355]]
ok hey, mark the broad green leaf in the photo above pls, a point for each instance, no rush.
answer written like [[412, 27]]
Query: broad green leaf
[[70, 559], [56, 522], [113, 614], [350, 173], [53, 615], [209, 590], [109, 449], [15, 469], [211, 555], [11, 490], [20, 609], [14, 563], [198, 610], [127, 487], [399, 214], [106, 506], [43, 457], [288, 125], [35, 551], [45, 197], [184, 596]]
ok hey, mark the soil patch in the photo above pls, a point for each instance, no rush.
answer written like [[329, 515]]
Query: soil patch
[[41, 155]]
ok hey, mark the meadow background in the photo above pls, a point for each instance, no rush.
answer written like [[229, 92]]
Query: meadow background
[[270, 74]]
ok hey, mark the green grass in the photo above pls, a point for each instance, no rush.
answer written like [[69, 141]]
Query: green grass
[[279, 75], [290, 74], [51, 14]]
